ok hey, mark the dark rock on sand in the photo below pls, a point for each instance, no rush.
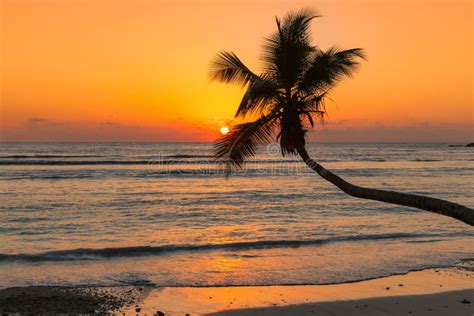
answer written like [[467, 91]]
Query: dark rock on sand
[[470, 145], [51, 300]]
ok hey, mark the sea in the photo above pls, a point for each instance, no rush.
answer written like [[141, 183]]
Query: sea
[[166, 215]]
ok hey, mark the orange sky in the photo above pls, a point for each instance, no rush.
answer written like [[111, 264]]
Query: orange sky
[[137, 70]]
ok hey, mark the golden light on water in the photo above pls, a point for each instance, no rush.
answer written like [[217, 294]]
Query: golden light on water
[[224, 130]]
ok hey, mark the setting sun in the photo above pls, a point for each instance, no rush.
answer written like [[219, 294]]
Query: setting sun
[[224, 130]]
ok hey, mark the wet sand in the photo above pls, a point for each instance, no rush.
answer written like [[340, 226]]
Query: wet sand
[[448, 291]]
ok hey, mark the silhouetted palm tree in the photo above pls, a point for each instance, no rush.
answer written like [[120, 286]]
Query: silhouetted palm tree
[[288, 96]]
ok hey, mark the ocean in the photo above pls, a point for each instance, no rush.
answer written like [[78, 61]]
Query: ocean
[[164, 214]]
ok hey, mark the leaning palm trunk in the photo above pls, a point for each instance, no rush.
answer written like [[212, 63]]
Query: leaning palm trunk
[[434, 205]]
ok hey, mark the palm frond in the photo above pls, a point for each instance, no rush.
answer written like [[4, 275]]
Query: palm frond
[[286, 52], [228, 68], [295, 25], [328, 67], [260, 94], [307, 117], [242, 141], [313, 103]]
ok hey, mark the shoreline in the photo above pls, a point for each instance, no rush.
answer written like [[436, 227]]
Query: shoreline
[[300, 299], [435, 291]]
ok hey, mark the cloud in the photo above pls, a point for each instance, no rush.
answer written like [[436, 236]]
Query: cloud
[[342, 131], [35, 120], [42, 129]]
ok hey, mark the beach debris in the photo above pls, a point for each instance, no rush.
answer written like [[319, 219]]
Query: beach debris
[[387, 288], [137, 309], [464, 301], [160, 313], [400, 284]]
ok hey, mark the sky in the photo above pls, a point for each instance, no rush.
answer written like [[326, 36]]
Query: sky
[[137, 70]]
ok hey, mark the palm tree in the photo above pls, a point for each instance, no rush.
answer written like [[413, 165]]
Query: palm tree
[[288, 97]]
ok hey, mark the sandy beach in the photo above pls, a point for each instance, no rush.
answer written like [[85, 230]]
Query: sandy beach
[[433, 291], [447, 291]]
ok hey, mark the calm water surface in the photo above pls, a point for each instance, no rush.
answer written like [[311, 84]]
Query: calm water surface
[[164, 214]]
